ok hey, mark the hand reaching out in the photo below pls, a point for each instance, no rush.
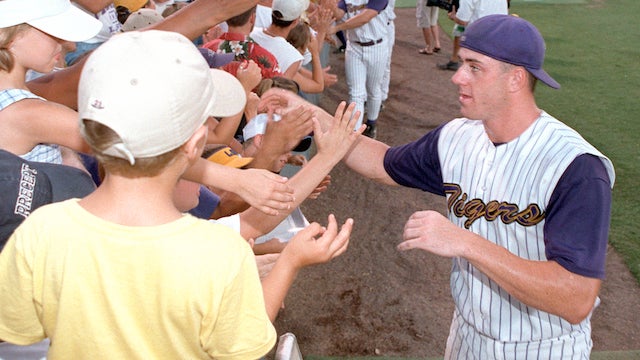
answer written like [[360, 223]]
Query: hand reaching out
[[265, 263], [266, 191], [339, 136], [316, 244], [329, 78], [273, 100], [251, 108], [322, 187], [285, 134], [249, 75], [321, 20]]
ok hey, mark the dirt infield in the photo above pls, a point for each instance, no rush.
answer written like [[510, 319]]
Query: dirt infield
[[374, 300]]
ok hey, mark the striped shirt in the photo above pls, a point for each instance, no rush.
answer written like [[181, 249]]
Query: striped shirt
[[49, 153]]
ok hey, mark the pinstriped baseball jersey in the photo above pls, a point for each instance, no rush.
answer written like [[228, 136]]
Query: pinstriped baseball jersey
[[390, 40], [501, 193], [371, 31], [365, 64]]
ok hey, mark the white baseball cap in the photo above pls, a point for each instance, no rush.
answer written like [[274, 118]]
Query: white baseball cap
[[258, 126], [289, 10], [154, 89], [141, 19], [57, 18]]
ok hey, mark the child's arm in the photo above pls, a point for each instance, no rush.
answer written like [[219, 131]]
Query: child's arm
[[312, 81], [30, 122], [264, 190], [195, 19], [333, 143], [312, 245]]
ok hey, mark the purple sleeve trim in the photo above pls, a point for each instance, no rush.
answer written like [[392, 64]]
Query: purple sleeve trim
[[577, 222]]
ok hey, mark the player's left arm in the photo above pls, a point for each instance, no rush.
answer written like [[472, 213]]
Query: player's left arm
[[576, 231], [544, 285], [362, 18]]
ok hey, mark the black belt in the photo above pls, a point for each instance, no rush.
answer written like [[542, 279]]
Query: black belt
[[369, 43]]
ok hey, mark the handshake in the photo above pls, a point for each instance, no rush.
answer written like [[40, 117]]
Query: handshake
[[444, 4]]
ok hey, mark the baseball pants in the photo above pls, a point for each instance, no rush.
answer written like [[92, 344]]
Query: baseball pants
[[364, 70]]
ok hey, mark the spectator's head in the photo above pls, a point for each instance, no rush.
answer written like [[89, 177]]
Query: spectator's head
[[173, 8], [286, 12], [23, 22], [142, 95], [141, 19], [509, 39], [253, 134], [300, 36], [277, 82], [242, 19]]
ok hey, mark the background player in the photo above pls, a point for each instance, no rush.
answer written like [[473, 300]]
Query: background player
[[390, 13], [366, 55]]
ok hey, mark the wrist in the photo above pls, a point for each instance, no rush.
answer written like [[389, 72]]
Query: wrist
[[327, 158]]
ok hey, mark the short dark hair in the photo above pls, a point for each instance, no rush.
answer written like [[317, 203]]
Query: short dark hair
[[242, 19], [276, 19]]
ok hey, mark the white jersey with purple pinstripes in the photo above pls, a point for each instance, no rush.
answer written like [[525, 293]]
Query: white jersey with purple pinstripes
[[522, 174], [374, 30]]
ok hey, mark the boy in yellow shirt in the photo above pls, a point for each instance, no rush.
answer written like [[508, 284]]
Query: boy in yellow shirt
[[122, 273]]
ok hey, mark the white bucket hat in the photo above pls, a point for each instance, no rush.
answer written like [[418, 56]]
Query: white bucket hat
[[57, 18]]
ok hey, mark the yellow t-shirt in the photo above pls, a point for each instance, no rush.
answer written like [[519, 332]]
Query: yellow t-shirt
[[184, 290]]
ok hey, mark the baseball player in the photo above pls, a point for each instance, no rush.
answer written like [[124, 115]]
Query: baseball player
[[390, 41], [528, 203], [366, 55]]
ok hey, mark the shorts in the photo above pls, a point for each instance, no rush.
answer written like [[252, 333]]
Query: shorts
[[458, 30], [426, 16]]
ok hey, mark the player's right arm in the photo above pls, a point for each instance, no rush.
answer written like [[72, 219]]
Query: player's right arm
[[367, 159]]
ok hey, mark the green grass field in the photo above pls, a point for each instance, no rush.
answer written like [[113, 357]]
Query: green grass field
[[592, 50]]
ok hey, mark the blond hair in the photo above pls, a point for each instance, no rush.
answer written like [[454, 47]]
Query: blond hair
[[100, 137], [7, 35], [277, 82]]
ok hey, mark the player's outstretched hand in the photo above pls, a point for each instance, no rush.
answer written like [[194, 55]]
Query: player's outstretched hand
[[316, 244], [431, 231]]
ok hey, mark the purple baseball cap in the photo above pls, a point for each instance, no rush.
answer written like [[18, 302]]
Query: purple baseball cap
[[509, 39]]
